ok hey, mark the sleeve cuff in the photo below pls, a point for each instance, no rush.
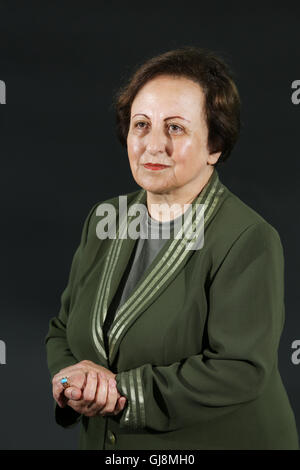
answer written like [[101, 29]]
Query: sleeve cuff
[[129, 384]]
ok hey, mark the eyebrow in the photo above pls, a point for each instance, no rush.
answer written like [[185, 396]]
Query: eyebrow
[[170, 117]]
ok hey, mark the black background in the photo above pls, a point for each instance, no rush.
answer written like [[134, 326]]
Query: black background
[[62, 62]]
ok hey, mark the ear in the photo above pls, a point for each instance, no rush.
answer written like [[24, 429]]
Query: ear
[[213, 158]]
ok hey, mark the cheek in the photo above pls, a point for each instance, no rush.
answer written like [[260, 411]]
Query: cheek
[[134, 147], [188, 159], [183, 153]]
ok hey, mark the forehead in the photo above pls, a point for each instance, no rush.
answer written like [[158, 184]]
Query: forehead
[[172, 94]]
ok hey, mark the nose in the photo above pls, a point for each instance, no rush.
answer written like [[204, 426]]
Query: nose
[[156, 141]]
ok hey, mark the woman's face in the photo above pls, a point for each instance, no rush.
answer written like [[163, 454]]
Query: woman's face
[[168, 127]]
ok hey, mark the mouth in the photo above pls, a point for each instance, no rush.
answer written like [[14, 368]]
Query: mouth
[[155, 166]]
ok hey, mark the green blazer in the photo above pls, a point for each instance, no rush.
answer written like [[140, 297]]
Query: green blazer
[[195, 346]]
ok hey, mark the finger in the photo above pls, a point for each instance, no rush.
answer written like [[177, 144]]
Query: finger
[[82, 405], [70, 374], [73, 393], [120, 405], [101, 396], [112, 396], [57, 388], [77, 380], [90, 388], [58, 395], [76, 377], [57, 391]]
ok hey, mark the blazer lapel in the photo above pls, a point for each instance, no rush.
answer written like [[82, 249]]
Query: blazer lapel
[[117, 258], [163, 269]]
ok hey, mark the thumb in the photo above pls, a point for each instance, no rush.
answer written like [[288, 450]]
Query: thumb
[[73, 393], [121, 403]]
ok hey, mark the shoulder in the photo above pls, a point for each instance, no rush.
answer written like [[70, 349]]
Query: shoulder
[[236, 217], [238, 228]]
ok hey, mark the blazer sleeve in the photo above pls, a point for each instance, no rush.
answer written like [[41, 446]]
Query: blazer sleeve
[[244, 325], [58, 351]]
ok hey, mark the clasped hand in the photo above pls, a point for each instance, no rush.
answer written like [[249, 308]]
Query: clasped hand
[[92, 390]]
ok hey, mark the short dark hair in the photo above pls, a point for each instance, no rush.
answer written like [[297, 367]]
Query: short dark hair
[[222, 101]]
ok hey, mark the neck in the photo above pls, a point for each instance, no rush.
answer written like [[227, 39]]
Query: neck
[[169, 205]]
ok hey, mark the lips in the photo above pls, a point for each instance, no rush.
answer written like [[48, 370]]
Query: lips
[[155, 166]]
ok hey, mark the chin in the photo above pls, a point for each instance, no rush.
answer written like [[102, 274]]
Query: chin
[[152, 183], [154, 187]]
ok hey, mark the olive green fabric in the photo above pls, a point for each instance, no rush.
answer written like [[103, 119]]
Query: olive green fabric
[[145, 250], [194, 346]]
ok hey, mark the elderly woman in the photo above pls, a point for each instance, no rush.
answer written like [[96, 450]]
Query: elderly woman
[[160, 342]]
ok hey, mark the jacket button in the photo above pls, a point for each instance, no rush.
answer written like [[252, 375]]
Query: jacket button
[[111, 437]]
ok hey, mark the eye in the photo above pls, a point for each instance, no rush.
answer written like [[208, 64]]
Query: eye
[[175, 128], [138, 126]]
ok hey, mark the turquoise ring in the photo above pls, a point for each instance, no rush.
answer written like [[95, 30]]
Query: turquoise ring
[[64, 382]]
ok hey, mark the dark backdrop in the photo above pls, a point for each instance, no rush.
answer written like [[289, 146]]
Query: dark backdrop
[[62, 62]]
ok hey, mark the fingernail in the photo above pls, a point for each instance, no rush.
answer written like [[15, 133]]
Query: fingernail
[[73, 394]]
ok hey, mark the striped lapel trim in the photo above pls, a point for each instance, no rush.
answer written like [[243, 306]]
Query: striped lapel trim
[[162, 270], [100, 306]]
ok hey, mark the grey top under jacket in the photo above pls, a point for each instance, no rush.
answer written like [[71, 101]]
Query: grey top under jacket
[[153, 235]]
